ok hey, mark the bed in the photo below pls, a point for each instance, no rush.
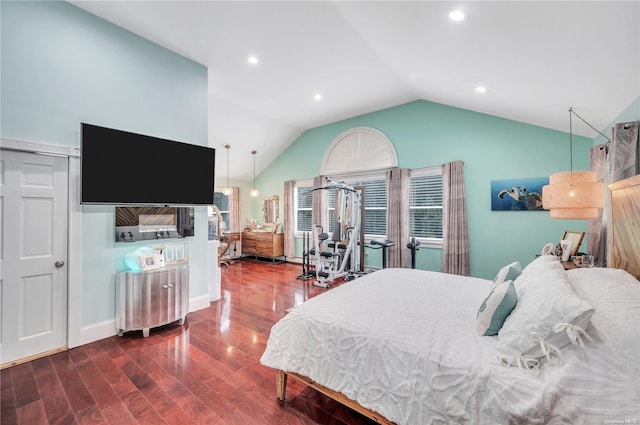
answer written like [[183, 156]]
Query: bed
[[403, 346]]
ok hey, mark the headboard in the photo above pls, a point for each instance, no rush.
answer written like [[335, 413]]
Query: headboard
[[624, 233]]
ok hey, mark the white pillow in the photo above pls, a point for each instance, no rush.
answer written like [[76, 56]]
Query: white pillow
[[508, 272], [495, 309], [548, 316], [535, 267]]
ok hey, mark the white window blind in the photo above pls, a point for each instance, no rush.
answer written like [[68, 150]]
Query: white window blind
[[303, 208], [425, 206], [375, 204]]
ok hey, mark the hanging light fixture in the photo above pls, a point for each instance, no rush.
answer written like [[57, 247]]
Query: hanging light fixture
[[254, 192], [227, 189], [572, 194]]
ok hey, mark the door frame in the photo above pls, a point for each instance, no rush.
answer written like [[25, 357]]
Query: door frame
[[74, 227]]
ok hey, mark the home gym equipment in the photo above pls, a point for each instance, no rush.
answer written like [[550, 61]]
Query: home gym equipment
[[306, 259], [413, 246], [344, 259], [385, 245]]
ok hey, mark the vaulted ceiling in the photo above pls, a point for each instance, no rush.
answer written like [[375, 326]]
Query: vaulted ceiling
[[535, 60]]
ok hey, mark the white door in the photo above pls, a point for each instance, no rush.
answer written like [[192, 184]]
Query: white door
[[33, 254]]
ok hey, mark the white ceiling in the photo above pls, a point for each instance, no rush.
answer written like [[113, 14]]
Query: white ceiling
[[536, 60]]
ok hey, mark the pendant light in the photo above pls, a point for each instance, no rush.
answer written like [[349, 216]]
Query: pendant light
[[572, 194], [227, 189], [254, 192]]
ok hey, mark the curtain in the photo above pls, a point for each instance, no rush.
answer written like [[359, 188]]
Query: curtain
[[624, 151], [234, 210], [398, 181], [596, 228], [289, 219], [455, 246], [616, 162], [623, 158], [319, 206]]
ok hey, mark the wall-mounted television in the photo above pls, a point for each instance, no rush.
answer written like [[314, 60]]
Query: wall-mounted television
[[119, 167]]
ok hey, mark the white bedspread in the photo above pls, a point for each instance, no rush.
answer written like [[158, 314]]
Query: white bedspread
[[403, 343]]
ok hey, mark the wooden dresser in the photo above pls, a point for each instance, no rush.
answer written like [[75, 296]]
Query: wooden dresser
[[263, 244]]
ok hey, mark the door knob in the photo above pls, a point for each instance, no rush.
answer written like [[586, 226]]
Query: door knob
[[59, 263]]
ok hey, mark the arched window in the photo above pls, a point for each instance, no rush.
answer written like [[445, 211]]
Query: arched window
[[359, 149]]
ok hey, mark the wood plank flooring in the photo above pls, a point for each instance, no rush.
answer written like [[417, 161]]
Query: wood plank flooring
[[207, 372]]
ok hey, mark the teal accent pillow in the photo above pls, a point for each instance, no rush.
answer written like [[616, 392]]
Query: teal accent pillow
[[496, 308], [508, 272]]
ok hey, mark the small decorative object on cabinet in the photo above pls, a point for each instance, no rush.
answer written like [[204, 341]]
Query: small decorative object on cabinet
[[263, 244], [146, 299], [548, 249], [575, 238]]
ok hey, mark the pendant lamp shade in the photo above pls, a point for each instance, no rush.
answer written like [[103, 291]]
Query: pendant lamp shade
[[573, 195]]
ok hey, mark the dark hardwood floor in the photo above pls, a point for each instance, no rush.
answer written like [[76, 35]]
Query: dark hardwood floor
[[207, 372]]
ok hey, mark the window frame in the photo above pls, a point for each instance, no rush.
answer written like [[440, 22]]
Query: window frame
[[356, 179], [299, 184], [415, 174], [225, 214], [350, 178]]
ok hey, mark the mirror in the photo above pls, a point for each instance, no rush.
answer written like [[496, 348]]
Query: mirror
[[146, 223], [270, 215]]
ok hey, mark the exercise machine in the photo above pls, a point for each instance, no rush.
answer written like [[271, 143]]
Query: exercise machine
[[385, 245], [339, 258], [306, 259], [413, 246]]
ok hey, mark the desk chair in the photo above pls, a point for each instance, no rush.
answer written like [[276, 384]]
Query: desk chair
[[222, 250]]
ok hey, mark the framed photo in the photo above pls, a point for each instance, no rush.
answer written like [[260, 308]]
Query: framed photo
[[519, 194], [151, 261], [566, 249], [576, 239]]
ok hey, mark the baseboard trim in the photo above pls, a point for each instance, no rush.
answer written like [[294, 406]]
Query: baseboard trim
[[199, 303], [107, 328], [97, 331]]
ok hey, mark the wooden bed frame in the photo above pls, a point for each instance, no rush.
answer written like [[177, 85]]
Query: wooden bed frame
[[281, 386], [624, 253], [624, 234]]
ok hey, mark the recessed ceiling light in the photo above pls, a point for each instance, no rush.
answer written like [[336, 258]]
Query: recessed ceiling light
[[457, 15], [252, 60], [481, 89], [317, 96]]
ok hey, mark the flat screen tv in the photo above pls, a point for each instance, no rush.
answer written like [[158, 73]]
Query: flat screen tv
[[119, 167]]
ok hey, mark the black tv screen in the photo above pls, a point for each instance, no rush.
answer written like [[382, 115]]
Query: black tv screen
[[119, 167]]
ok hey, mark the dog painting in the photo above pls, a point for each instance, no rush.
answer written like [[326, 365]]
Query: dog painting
[[517, 194]]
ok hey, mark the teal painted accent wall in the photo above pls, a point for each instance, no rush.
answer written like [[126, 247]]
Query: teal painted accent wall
[[62, 66], [428, 134]]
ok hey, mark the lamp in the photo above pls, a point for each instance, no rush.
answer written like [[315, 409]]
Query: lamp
[[227, 189], [254, 192], [573, 194]]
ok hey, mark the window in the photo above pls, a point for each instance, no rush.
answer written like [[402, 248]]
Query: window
[[303, 206], [375, 208], [221, 201], [375, 204], [425, 207]]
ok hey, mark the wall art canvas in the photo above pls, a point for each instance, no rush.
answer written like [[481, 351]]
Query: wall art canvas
[[517, 194]]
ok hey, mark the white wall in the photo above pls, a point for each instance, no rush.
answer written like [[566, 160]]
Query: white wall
[[62, 66]]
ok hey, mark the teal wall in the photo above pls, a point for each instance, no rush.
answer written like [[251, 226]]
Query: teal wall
[[426, 134], [62, 66]]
